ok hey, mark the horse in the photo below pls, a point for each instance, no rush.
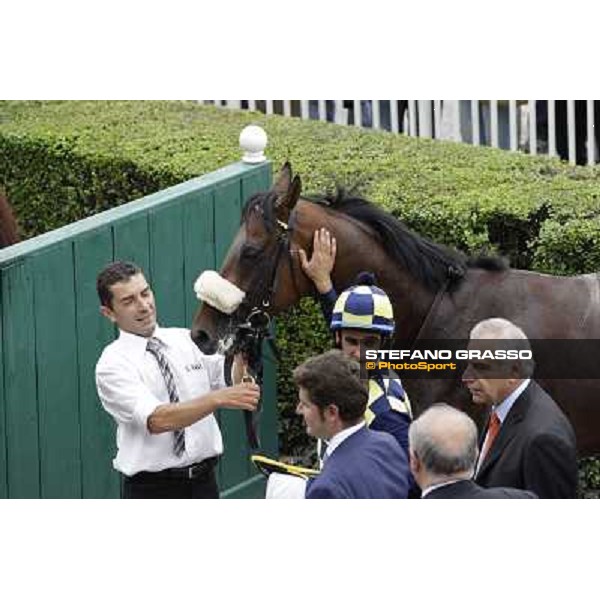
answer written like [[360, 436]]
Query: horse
[[436, 292], [9, 231]]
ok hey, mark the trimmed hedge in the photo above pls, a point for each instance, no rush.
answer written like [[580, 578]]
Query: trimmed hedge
[[62, 161]]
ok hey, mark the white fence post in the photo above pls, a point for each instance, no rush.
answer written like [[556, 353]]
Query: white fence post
[[357, 113], [532, 127], [591, 139], [513, 134], [340, 113], [375, 115], [437, 117], [571, 130], [394, 125], [304, 109], [476, 134], [494, 122], [322, 110], [551, 128], [425, 123], [412, 117]]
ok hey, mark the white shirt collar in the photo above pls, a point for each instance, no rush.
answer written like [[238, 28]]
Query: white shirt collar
[[137, 343], [435, 486], [502, 409], [340, 436]]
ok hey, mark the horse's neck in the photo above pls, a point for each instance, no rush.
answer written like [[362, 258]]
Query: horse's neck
[[358, 251]]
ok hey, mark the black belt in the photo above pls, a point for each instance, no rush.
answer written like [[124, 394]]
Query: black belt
[[190, 472]]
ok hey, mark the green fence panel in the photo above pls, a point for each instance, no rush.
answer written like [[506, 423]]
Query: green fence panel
[[3, 468], [256, 182], [99, 480], [167, 263], [228, 209], [57, 441], [131, 238], [57, 373], [20, 384], [199, 243]]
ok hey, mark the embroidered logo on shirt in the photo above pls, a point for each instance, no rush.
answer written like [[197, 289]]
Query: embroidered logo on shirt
[[193, 367]]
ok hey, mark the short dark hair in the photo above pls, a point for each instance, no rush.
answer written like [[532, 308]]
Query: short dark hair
[[115, 272], [333, 378]]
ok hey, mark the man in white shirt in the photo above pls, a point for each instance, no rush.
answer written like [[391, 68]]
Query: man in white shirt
[[162, 392]]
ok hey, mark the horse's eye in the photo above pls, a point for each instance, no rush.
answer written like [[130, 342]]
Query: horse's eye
[[249, 253]]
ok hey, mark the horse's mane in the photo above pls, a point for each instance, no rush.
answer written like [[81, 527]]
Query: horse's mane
[[431, 263], [8, 226]]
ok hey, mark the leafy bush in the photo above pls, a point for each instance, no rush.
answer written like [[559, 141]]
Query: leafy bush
[[568, 248]]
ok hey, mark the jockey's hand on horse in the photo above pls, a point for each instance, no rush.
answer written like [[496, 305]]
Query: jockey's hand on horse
[[322, 260]]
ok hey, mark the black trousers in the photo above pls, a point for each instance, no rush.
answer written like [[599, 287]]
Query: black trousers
[[171, 485]]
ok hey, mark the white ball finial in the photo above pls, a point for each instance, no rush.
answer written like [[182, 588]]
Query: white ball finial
[[253, 141]]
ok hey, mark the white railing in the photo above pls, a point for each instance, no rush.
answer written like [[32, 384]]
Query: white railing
[[566, 128]]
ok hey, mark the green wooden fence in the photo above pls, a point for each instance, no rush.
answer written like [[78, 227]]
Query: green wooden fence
[[55, 439]]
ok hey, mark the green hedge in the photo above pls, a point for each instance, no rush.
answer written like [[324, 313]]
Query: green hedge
[[61, 161]]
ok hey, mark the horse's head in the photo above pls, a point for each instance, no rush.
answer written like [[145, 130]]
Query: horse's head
[[262, 271]]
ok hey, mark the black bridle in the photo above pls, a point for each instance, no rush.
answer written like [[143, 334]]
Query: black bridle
[[261, 292], [250, 323]]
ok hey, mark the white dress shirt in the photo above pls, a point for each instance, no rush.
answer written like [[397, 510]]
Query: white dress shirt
[[130, 386], [504, 407]]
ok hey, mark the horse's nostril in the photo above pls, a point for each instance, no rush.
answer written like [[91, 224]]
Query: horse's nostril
[[204, 343]]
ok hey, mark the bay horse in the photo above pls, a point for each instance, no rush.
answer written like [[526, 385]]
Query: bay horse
[[9, 233], [436, 293]]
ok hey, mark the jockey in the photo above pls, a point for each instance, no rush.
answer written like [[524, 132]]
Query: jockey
[[361, 315]]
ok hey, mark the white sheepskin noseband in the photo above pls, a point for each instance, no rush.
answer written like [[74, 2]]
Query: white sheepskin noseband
[[221, 294]]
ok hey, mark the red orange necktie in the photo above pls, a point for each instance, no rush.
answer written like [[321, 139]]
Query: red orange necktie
[[493, 429]]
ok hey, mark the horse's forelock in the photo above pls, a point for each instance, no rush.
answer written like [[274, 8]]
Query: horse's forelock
[[261, 203]]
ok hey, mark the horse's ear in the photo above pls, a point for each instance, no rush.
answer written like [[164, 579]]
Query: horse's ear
[[284, 205], [282, 185]]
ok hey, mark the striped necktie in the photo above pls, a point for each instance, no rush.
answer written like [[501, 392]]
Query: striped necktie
[[155, 348]]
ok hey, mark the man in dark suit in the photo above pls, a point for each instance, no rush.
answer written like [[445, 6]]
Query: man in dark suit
[[443, 453], [359, 462], [528, 442]]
